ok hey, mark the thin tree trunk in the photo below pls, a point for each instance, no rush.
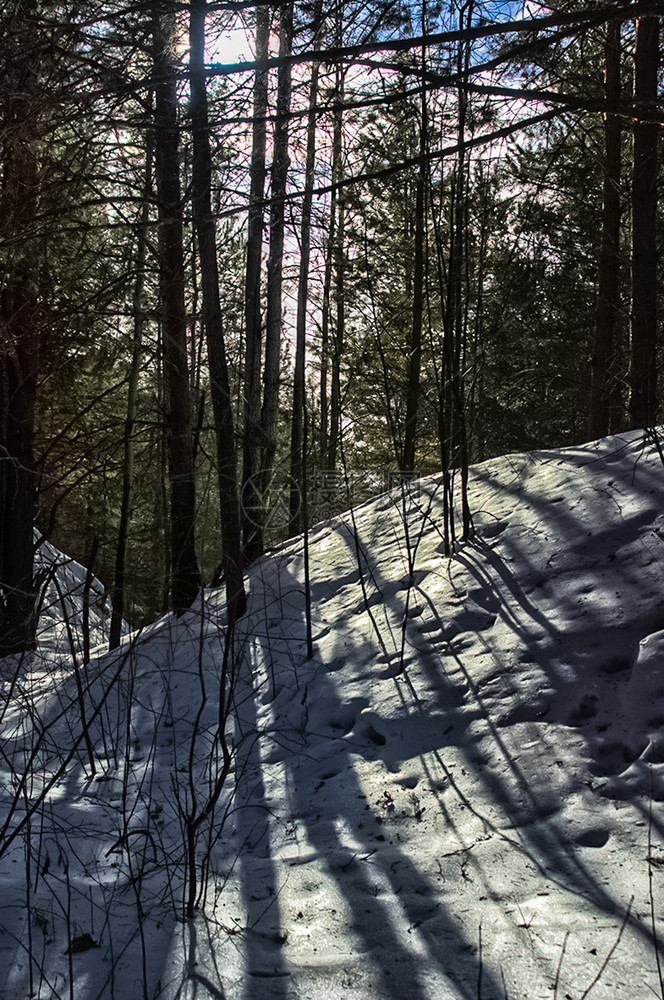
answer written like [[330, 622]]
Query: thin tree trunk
[[19, 361], [451, 414], [297, 423], [139, 316], [324, 431], [87, 588], [19, 365], [456, 309], [252, 308], [164, 515], [643, 380], [185, 579], [275, 264], [338, 261], [602, 390], [212, 319], [415, 341], [391, 411]]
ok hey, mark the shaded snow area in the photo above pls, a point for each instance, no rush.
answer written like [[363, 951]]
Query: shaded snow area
[[461, 795], [72, 604]]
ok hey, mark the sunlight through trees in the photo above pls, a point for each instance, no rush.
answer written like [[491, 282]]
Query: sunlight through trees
[[431, 229]]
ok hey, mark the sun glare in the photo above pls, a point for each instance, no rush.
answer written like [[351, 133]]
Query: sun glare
[[232, 46]]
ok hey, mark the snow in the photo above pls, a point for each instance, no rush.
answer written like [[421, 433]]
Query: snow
[[459, 795], [61, 604]]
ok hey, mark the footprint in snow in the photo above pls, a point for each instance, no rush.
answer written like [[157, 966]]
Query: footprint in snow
[[614, 758], [471, 618], [367, 727], [494, 529], [597, 837]]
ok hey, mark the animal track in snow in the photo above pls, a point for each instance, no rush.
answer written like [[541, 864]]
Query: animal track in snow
[[408, 781], [493, 529], [415, 579], [597, 837], [485, 598], [471, 618], [365, 729], [615, 758], [527, 712], [347, 714], [616, 665], [585, 710]]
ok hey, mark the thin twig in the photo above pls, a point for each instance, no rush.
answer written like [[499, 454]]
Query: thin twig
[[611, 949], [560, 965], [652, 897]]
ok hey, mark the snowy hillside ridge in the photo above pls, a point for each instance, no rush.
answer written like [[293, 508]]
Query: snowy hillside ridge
[[459, 796], [61, 601]]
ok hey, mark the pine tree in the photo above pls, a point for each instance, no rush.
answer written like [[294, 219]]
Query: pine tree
[[212, 319]]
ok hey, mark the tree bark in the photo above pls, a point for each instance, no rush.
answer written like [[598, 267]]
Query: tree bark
[[456, 305], [212, 319], [338, 262], [19, 365], [415, 341], [452, 429], [275, 262], [643, 377], [19, 362], [252, 439], [602, 391], [185, 575], [139, 317], [324, 431], [298, 443]]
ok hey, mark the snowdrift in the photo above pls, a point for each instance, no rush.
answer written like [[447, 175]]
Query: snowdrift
[[460, 795], [62, 602]]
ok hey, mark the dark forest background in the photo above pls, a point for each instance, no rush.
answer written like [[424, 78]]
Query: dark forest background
[[395, 239]]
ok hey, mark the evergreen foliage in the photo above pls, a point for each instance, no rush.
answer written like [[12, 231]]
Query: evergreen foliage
[[452, 240]]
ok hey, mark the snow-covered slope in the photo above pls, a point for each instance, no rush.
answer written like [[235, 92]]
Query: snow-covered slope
[[62, 599], [459, 795], [61, 606]]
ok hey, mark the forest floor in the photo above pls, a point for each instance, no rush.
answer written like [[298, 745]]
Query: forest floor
[[460, 795]]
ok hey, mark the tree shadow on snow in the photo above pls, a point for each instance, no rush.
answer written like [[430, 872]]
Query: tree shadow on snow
[[525, 798], [373, 875]]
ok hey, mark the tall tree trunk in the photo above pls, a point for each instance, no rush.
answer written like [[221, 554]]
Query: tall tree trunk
[[212, 318], [415, 341], [139, 317], [298, 443], [338, 262], [643, 380], [602, 388], [275, 263], [452, 430], [163, 518], [324, 431], [185, 578], [455, 309], [462, 234], [19, 361], [19, 364], [251, 501]]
